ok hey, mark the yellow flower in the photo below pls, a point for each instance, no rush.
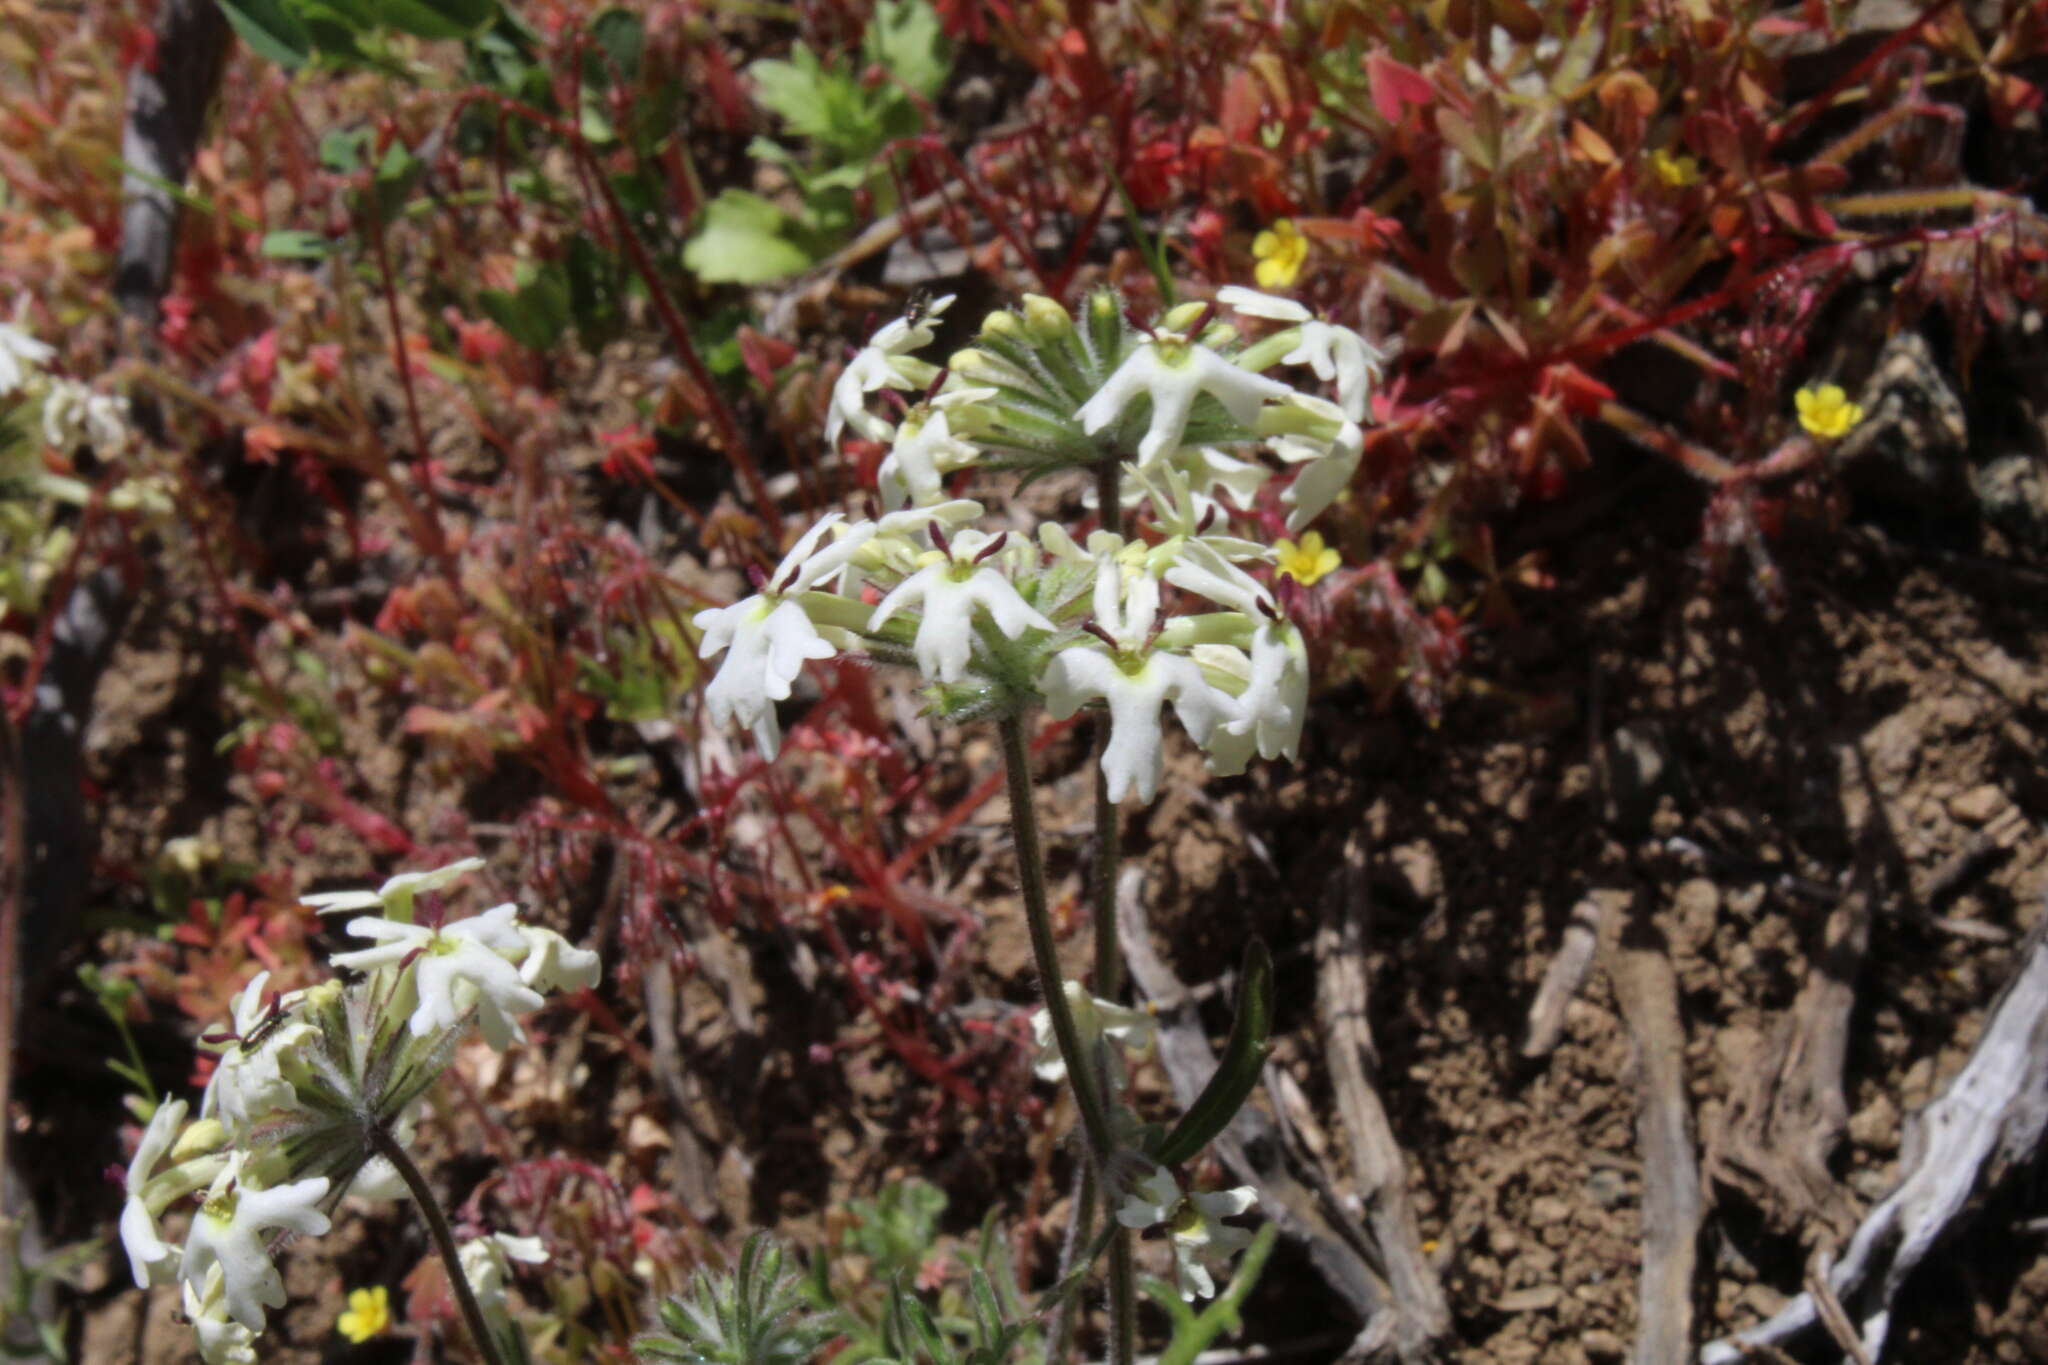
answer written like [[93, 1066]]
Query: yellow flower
[[1281, 249], [369, 1313], [1826, 412], [1675, 171], [1308, 561]]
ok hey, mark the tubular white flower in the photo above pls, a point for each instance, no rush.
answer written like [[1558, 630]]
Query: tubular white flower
[[1331, 351], [770, 635], [555, 964], [883, 363], [459, 966], [1195, 1224], [1173, 371], [248, 1082], [20, 355], [74, 415], [1094, 1019], [150, 1259], [926, 450], [1316, 432], [395, 897], [486, 1264], [1135, 689], [948, 590], [222, 1340], [228, 1232]]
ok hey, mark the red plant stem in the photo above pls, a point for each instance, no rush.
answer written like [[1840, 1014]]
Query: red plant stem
[[914, 1051], [723, 419], [423, 466], [1856, 74], [984, 791]]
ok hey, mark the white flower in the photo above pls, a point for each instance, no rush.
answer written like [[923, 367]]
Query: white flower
[[1135, 687], [228, 1232], [1173, 371], [1331, 351], [378, 1180], [222, 1340], [395, 897], [1315, 431], [949, 589], [1195, 1224], [248, 1082], [73, 415], [770, 635], [150, 1259], [555, 964], [926, 450], [20, 353], [458, 967], [486, 1264], [1094, 1020], [883, 363]]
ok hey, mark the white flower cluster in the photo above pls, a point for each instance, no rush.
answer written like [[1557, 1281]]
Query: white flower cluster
[[997, 621], [301, 1079]]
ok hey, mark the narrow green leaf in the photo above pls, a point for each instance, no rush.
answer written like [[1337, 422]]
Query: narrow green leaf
[[438, 18], [1244, 1057], [296, 244], [271, 29]]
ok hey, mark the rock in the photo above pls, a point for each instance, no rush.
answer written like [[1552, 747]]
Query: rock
[[1603, 1345], [1536, 1299], [1977, 805], [1911, 450], [2012, 493], [1548, 1209]]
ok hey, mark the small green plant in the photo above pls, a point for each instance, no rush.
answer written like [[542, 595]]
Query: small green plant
[[848, 113], [754, 1314]]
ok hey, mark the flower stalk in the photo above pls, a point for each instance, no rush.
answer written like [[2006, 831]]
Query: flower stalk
[[393, 1151]]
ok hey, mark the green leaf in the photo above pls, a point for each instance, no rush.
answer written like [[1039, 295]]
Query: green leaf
[[622, 38], [341, 149], [271, 29], [438, 18], [397, 173], [538, 314], [296, 244], [744, 239], [1244, 1057], [797, 90], [905, 37]]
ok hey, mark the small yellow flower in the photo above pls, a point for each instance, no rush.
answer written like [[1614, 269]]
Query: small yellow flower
[[369, 1313], [1308, 561], [1281, 249], [1675, 171], [1826, 412]]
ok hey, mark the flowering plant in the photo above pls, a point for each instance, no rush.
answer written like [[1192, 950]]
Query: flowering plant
[[313, 1097], [1171, 599]]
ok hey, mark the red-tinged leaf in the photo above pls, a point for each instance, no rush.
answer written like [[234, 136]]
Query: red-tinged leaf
[[1242, 103], [1590, 146], [1582, 393], [764, 355], [1395, 85]]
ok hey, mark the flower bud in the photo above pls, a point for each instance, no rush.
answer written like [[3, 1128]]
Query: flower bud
[[1045, 319], [1003, 323]]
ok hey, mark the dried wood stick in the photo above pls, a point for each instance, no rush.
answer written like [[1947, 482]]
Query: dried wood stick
[[1989, 1121], [1567, 972], [1647, 989], [1342, 986], [1782, 1128]]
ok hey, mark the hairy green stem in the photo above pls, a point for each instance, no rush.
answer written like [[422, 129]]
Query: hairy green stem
[[1031, 881], [1081, 1069], [1109, 958], [394, 1152]]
